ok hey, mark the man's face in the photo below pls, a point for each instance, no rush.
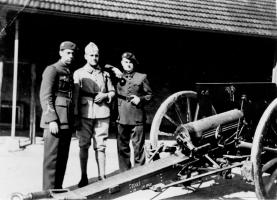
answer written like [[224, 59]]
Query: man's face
[[92, 57], [67, 56], [127, 65]]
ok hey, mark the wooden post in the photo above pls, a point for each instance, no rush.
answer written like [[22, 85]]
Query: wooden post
[[1, 80], [274, 74], [33, 105], [15, 71], [273, 79]]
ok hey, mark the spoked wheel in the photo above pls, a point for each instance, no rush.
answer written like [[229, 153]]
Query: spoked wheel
[[179, 108], [264, 154]]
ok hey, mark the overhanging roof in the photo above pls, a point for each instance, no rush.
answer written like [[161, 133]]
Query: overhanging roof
[[252, 17]]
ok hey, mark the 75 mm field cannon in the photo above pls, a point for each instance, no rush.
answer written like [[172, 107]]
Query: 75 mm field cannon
[[190, 140]]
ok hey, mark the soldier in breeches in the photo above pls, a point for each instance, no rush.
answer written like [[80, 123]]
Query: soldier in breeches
[[93, 91], [57, 116]]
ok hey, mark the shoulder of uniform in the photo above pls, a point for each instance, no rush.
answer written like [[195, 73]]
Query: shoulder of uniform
[[55, 65], [142, 75], [50, 69], [79, 70], [106, 73]]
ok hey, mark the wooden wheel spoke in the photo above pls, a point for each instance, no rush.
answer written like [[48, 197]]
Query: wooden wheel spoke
[[265, 183], [165, 118], [269, 164], [188, 116], [171, 120], [271, 182], [162, 133], [196, 112], [178, 112], [273, 128]]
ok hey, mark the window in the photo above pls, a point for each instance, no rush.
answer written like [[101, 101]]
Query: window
[[6, 115]]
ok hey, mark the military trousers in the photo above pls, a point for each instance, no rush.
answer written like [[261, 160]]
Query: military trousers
[[56, 150], [134, 134]]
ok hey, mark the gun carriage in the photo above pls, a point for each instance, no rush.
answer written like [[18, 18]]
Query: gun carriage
[[199, 134]]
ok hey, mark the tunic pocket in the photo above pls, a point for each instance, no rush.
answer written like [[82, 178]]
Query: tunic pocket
[[62, 109], [86, 107]]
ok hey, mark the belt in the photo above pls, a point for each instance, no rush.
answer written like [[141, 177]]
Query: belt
[[64, 94], [125, 98], [88, 94]]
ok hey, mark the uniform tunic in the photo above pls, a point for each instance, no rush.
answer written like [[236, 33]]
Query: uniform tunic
[[88, 82], [56, 102], [136, 84]]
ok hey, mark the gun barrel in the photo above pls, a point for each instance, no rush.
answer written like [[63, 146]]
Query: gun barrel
[[199, 126]]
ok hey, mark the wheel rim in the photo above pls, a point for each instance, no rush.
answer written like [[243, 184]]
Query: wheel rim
[[265, 162], [184, 105]]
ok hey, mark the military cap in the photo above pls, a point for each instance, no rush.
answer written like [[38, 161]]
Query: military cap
[[67, 45], [91, 47], [130, 56]]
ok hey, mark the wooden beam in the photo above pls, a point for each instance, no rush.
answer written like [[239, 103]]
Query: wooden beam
[[33, 105], [143, 177]]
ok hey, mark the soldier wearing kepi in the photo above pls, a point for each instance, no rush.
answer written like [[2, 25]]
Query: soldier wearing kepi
[[57, 116], [93, 91], [133, 92]]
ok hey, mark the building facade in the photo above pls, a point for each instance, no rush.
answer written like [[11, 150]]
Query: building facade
[[177, 42]]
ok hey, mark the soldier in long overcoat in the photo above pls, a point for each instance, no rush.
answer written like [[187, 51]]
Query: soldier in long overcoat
[[57, 116]]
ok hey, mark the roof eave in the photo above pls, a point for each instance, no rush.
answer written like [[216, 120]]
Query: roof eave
[[255, 33]]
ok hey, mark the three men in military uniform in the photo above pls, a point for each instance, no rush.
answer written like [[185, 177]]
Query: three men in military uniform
[[88, 110]]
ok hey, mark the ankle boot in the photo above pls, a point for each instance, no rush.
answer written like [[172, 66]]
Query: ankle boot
[[83, 182], [100, 178], [83, 163]]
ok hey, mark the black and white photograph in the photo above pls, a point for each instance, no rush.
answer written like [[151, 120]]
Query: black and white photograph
[[138, 99]]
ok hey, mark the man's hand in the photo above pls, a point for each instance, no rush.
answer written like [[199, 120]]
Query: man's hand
[[135, 99], [117, 72], [100, 97], [53, 127]]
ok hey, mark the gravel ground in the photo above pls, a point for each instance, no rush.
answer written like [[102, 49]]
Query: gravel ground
[[21, 171]]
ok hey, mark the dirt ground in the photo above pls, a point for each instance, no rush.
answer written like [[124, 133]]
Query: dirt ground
[[21, 171]]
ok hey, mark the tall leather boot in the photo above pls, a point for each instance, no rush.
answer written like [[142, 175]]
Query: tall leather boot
[[83, 164], [101, 164]]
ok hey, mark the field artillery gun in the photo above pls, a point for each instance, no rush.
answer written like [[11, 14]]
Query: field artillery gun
[[189, 141]]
